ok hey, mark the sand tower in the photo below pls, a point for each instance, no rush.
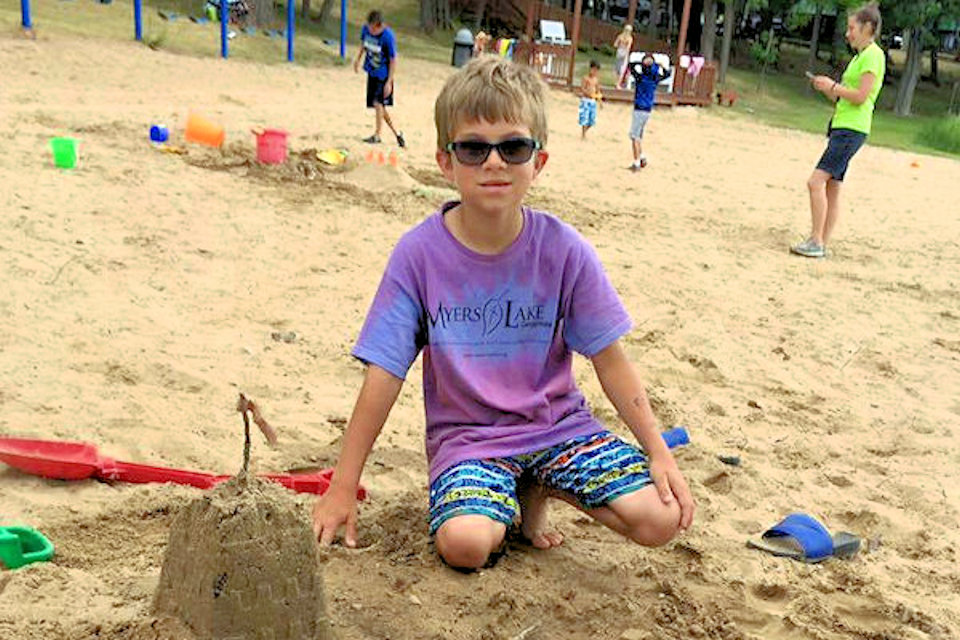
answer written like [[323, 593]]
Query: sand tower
[[241, 563]]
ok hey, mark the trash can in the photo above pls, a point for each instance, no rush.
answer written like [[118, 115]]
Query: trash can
[[462, 48]]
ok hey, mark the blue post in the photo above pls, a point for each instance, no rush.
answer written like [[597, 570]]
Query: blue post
[[343, 28], [25, 14], [138, 19], [224, 19], [290, 19]]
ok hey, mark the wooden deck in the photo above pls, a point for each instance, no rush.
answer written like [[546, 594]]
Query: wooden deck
[[612, 94], [687, 90]]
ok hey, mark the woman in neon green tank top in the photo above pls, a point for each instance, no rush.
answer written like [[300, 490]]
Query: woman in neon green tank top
[[855, 95]]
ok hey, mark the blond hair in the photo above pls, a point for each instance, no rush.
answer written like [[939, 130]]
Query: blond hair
[[493, 89]]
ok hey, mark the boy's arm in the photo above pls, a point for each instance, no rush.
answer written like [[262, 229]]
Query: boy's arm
[[338, 506], [622, 385], [356, 62], [392, 70]]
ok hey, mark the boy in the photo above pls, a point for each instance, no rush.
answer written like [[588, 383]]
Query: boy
[[646, 75], [498, 296], [379, 53], [590, 96]]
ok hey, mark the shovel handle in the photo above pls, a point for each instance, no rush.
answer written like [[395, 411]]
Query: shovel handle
[[141, 473]]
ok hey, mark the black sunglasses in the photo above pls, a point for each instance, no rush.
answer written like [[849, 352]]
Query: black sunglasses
[[476, 152]]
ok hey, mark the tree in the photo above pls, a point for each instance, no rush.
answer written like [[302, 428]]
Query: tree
[[815, 38], [709, 36], [729, 26], [654, 23], [435, 14], [325, 10], [918, 19]]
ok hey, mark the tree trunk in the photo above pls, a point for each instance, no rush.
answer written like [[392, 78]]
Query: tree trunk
[[478, 20], [694, 28], [443, 14], [434, 14], [911, 72], [729, 25], [264, 13], [815, 39], [427, 16], [654, 18], [304, 8], [836, 42], [934, 67], [709, 38], [325, 9]]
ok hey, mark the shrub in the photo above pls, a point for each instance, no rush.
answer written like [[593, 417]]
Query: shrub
[[765, 50]]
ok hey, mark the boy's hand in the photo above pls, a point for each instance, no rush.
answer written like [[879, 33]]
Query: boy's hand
[[671, 486], [332, 509]]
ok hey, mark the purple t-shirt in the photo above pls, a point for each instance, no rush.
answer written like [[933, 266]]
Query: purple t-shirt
[[497, 334]]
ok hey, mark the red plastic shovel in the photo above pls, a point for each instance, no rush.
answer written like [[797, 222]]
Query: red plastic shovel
[[80, 460]]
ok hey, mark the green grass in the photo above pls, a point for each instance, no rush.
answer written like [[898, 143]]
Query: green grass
[[784, 99], [943, 134]]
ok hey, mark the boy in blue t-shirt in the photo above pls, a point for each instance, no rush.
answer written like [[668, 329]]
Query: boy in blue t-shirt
[[379, 53], [647, 74], [497, 297]]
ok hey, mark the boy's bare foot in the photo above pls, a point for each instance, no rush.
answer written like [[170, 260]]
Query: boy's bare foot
[[533, 516]]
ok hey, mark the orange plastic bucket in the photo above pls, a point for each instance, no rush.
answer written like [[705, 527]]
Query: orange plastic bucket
[[271, 146], [204, 131]]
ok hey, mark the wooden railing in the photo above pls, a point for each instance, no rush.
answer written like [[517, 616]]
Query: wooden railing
[[696, 90], [592, 31], [551, 60]]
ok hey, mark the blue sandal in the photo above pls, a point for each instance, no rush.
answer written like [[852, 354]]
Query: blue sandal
[[803, 538]]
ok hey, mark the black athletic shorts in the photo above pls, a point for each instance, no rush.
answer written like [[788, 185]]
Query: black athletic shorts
[[375, 92]]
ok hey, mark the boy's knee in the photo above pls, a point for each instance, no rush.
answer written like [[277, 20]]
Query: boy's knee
[[658, 528], [465, 542]]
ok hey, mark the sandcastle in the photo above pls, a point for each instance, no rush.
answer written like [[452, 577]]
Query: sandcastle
[[241, 563]]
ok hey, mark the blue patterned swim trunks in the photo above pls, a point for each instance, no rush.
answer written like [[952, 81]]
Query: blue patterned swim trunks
[[587, 113], [594, 469]]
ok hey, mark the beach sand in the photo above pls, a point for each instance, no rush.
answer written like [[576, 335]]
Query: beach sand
[[142, 292]]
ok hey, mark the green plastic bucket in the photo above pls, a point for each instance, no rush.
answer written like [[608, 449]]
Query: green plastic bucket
[[23, 545], [65, 152]]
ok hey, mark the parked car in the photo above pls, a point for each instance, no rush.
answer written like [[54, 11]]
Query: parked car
[[620, 8], [894, 41]]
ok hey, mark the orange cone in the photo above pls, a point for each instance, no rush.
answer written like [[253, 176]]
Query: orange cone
[[394, 159], [380, 158], [369, 156]]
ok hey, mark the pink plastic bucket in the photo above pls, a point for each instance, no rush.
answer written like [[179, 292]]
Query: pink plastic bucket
[[271, 146]]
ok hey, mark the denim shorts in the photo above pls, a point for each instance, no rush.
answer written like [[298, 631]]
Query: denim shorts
[[593, 469], [842, 145]]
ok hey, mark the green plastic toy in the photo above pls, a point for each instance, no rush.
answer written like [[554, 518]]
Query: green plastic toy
[[23, 545]]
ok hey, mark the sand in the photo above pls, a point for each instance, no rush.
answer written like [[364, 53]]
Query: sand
[[142, 291]]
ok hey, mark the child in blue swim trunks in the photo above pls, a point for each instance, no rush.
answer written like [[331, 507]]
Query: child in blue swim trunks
[[590, 98], [498, 297]]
